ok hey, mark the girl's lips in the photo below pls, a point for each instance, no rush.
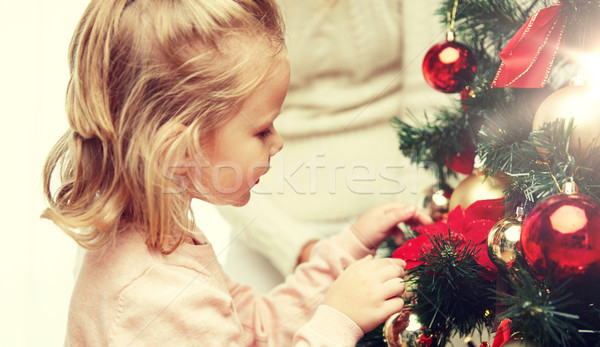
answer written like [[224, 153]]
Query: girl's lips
[[258, 179]]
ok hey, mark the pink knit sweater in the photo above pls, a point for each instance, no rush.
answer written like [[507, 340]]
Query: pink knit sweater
[[131, 296]]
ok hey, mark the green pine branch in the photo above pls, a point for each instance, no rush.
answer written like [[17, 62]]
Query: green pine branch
[[432, 141], [536, 176], [548, 314], [451, 296]]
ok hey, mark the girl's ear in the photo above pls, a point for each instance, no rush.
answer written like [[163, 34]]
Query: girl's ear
[[182, 154]]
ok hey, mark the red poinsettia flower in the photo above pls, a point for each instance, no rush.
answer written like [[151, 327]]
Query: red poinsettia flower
[[472, 224]]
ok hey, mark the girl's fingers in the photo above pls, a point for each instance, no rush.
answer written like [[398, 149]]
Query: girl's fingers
[[393, 305], [393, 288], [423, 218], [389, 268], [420, 218], [399, 238], [394, 213]]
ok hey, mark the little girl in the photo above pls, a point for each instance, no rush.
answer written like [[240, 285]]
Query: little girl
[[171, 100]]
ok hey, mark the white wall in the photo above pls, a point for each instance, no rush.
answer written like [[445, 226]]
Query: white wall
[[36, 260]]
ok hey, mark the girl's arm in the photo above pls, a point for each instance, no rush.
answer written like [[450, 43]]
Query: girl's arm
[[289, 309], [196, 308]]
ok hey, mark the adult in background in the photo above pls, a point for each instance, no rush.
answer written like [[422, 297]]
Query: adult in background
[[355, 64]]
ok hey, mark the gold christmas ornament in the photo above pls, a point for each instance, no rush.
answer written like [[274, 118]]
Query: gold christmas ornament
[[436, 199], [477, 187], [393, 328], [401, 329], [578, 101], [503, 239]]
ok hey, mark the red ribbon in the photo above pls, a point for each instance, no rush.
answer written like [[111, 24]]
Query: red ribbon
[[425, 341], [503, 333], [528, 57]]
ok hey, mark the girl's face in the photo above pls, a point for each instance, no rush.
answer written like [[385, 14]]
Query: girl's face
[[241, 150]]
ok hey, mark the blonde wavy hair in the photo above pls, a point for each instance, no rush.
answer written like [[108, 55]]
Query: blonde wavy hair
[[150, 81]]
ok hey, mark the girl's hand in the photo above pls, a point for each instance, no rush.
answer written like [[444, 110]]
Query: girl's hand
[[368, 291], [381, 222]]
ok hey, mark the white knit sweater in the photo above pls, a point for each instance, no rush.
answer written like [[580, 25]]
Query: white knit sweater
[[355, 64]]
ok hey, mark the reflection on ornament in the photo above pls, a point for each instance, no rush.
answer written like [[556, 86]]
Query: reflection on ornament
[[435, 200], [562, 235], [568, 219], [579, 102], [477, 187], [449, 66], [503, 239], [402, 329]]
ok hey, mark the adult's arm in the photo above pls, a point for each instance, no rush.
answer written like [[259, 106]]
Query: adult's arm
[[268, 229]]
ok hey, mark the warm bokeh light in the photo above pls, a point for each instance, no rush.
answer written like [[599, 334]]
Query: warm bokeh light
[[413, 323], [513, 233], [449, 55], [590, 64], [568, 219]]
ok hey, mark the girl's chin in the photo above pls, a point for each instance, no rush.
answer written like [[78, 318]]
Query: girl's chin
[[237, 201], [241, 200]]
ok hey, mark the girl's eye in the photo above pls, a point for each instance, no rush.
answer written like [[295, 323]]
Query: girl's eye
[[265, 133]]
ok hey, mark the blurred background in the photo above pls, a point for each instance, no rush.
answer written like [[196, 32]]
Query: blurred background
[[37, 259]]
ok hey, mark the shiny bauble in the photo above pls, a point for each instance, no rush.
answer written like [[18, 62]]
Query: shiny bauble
[[561, 237], [402, 329], [578, 101], [477, 187], [503, 240], [435, 200], [449, 66]]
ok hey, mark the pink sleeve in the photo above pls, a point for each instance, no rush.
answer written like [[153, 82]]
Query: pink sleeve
[[328, 327], [275, 318], [188, 312]]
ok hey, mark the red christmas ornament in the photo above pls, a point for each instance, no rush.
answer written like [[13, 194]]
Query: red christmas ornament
[[464, 161], [449, 66], [561, 235]]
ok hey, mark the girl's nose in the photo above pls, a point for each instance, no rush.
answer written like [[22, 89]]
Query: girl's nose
[[277, 144]]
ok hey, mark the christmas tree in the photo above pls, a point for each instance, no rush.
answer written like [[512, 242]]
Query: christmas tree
[[516, 245]]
